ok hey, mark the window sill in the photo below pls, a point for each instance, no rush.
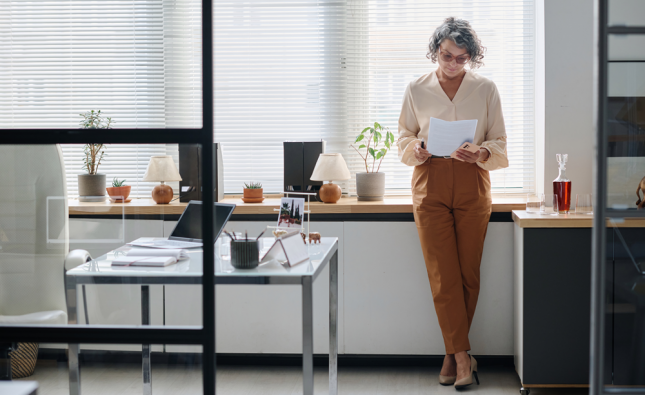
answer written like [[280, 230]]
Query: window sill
[[349, 205]]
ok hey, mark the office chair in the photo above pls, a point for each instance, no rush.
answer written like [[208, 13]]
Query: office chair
[[33, 238]]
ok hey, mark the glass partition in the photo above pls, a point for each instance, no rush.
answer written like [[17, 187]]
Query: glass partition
[[618, 279]]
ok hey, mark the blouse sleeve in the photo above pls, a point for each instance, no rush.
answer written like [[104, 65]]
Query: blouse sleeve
[[408, 131], [495, 141], [498, 158]]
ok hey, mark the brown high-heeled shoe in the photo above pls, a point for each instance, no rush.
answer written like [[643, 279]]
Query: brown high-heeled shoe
[[468, 380], [447, 380]]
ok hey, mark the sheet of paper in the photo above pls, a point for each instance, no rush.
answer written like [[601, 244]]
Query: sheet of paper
[[444, 137]]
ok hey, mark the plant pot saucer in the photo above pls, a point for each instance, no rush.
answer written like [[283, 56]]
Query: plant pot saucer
[[91, 198], [128, 200], [252, 200]]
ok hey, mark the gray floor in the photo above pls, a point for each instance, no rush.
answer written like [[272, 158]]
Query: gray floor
[[125, 379]]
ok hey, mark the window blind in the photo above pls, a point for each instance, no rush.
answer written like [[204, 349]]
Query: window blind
[[278, 77], [284, 70], [138, 61], [387, 42]]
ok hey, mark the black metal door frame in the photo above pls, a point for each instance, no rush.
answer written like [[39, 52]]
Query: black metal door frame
[[601, 212]]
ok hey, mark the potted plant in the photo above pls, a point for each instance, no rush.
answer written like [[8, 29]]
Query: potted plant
[[376, 141], [118, 192], [253, 192], [91, 186]]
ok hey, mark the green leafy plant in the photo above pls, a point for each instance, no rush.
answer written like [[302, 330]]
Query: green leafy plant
[[253, 185], [94, 152], [93, 155], [116, 183], [94, 120], [377, 141]]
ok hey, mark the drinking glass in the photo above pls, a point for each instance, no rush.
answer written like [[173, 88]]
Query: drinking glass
[[584, 203], [533, 204], [548, 204]]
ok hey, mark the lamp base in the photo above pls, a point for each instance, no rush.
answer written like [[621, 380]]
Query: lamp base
[[162, 194], [330, 193]]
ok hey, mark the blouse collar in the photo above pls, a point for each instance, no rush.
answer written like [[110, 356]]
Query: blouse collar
[[461, 92]]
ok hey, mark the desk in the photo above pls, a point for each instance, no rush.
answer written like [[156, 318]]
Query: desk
[[100, 271]]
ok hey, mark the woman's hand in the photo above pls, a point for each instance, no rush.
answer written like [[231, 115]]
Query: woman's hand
[[421, 154], [470, 157]]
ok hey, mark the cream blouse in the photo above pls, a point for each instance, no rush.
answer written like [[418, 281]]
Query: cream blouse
[[477, 98]]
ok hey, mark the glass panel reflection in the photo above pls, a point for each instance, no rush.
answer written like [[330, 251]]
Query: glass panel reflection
[[626, 135], [109, 369], [626, 305], [46, 214]]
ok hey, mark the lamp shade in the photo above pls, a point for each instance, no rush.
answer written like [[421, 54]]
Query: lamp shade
[[330, 167], [162, 168]]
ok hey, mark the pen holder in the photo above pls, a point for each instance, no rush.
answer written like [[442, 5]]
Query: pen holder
[[244, 254]]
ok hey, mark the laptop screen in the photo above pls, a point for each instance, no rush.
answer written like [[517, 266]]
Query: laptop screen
[[189, 226]]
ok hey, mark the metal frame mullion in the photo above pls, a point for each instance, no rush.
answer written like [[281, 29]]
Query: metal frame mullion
[[115, 136], [208, 277], [596, 359], [100, 334]]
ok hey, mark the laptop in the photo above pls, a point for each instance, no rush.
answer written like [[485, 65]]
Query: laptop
[[188, 231]]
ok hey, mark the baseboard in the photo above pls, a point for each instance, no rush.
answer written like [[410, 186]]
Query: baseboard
[[96, 356]]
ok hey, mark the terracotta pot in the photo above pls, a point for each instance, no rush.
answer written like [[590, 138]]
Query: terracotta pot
[[120, 193], [253, 193]]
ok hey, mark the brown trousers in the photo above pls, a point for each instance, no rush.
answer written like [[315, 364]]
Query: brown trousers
[[452, 206]]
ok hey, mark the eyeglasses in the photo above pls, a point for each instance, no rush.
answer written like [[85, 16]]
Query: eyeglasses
[[446, 57]]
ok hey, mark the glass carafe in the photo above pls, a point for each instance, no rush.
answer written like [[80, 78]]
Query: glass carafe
[[562, 185]]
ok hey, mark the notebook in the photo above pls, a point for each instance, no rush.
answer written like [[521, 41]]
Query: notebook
[[150, 257]]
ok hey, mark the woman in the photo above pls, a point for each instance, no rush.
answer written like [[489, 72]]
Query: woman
[[452, 198]]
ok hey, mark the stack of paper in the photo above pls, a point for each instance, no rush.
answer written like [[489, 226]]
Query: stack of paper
[[150, 257]]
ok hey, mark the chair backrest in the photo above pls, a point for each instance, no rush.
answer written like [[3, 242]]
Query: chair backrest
[[34, 235]]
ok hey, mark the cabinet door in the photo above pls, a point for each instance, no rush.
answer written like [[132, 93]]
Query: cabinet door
[[557, 295], [626, 301]]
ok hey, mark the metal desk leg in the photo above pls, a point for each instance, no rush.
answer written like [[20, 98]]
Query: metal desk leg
[[333, 325], [74, 348], [307, 337], [145, 348], [74, 369]]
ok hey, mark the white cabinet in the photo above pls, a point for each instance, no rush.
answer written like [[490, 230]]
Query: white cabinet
[[388, 306], [385, 303]]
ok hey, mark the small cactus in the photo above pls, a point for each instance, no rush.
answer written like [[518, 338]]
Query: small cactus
[[117, 183]]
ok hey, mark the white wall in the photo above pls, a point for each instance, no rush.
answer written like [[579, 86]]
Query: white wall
[[569, 91]]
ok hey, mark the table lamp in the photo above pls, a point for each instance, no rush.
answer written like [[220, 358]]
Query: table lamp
[[330, 167], [162, 168]]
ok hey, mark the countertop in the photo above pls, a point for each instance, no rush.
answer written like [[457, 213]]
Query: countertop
[[531, 220], [344, 206]]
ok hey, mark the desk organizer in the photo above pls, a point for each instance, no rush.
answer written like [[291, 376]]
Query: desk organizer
[[244, 254]]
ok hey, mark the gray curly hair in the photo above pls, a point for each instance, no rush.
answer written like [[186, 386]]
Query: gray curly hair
[[461, 33]]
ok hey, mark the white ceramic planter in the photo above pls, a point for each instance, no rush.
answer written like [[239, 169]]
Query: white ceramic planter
[[370, 186], [91, 187]]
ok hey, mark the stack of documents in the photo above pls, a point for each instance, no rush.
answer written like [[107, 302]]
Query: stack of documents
[[444, 137], [150, 257]]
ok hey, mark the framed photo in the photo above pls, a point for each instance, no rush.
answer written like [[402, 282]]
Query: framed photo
[[292, 213]]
